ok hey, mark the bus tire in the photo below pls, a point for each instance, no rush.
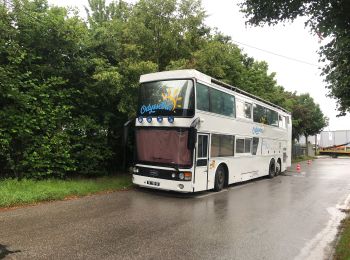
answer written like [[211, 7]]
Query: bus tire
[[272, 169], [219, 178], [278, 167]]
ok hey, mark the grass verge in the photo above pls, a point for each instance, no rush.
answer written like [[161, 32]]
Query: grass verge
[[15, 193], [342, 248], [303, 158]]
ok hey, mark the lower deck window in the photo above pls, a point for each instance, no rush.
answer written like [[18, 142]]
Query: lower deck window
[[255, 145], [244, 145], [222, 145]]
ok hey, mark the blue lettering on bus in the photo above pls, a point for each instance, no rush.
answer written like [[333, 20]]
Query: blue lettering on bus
[[152, 108], [257, 130]]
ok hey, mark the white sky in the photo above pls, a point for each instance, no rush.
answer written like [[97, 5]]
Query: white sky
[[292, 40]]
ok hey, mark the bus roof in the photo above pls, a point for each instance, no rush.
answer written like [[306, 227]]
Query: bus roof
[[191, 73]]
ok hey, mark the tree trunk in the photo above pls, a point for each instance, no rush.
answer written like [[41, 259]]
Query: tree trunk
[[315, 144], [307, 145]]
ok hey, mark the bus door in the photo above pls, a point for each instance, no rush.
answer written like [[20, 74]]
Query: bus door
[[201, 170]]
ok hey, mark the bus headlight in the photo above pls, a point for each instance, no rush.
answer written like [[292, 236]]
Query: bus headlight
[[187, 176], [135, 170], [181, 176]]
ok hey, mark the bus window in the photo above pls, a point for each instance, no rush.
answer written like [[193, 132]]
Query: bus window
[[202, 146], [166, 98], [239, 145], [287, 120], [243, 109], [240, 108], [222, 145], [272, 117], [244, 145], [202, 97], [247, 110], [282, 121], [227, 145], [229, 105], [247, 145], [222, 103], [255, 145], [259, 114]]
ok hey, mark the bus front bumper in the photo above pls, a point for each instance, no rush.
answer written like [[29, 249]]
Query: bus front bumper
[[162, 184]]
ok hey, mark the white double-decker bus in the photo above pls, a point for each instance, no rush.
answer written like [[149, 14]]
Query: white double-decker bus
[[195, 133]]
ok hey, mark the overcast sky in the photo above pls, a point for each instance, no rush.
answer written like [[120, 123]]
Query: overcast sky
[[291, 40]]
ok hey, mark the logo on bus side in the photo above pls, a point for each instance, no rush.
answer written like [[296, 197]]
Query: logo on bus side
[[150, 109], [257, 130], [169, 103]]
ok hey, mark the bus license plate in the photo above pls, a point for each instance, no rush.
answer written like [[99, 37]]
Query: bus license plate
[[154, 183]]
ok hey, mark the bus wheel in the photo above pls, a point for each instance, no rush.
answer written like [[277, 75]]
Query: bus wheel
[[278, 167], [272, 170], [219, 178]]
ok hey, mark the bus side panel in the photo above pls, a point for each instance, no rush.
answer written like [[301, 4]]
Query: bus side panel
[[289, 143]]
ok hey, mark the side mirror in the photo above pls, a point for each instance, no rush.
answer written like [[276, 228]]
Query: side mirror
[[192, 138]]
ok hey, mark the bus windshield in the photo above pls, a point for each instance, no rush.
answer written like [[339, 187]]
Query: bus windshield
[[163, 146], [166, 98]]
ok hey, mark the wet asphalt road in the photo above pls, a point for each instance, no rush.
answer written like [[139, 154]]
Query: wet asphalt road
[[291, 216]]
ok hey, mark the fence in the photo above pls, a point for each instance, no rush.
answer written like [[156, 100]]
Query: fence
[[300, 150]]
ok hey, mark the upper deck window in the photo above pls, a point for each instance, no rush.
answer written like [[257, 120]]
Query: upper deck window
[[167, 97], [202, 97], [272, 117], [259, 114], [243, 109], [215, 101], [265, 115]]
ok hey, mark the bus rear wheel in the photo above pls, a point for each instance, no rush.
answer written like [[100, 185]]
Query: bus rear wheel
[[272, 170], [219, 178], [278, 167]]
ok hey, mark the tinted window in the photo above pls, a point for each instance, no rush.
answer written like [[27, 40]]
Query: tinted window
[[202, 146], [227, 144], [167, 97], [259, 114], [202, 97], [255, 145], [243, 145], [229, 105], [221, 103], [240, 145], [272, 117], [222, 145], [247, 145], [216, 102]]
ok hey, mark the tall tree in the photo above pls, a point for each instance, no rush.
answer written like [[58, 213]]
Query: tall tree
[[326, 18], [310, 119]]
